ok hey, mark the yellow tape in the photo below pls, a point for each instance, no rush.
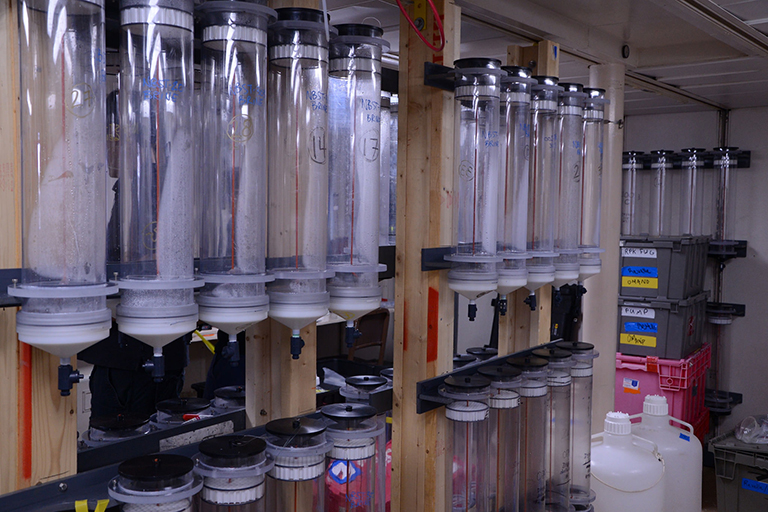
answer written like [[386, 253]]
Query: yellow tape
[[81, 506], [389, 420], [640, 282], [637, 339], [101, 506]]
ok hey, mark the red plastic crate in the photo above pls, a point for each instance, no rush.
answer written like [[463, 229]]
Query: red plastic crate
[[681, 381], [701, 427]]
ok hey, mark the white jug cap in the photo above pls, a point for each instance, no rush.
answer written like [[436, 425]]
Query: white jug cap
[[655, 405], [618, 423]]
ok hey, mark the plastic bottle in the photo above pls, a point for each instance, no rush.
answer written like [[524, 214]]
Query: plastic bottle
[[681, 451], [627, 470]]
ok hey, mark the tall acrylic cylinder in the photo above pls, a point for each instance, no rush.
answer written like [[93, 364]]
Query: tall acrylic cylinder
[[677, 199], [64, 167], [298, 447], [234, 471], [157, 167], [353, 476], [632, 193], [298, 169], [476, 178], [591, 191], [658, 216], [394, 106], [693, 210], [467, 442], [558, 429], [385, 163], [581, 420], [354, 121], [569, 189], [542, 184], [514, 146], [533, 437], [234, 171], [504, 451], [726, 159]]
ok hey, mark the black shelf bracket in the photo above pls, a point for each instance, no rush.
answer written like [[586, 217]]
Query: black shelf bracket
[[434, 258], [728, 250], [441, 77]]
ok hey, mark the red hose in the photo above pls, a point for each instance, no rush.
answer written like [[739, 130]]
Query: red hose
[[432, 47]]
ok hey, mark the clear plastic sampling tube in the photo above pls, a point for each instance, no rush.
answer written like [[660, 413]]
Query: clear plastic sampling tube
[[298, 169], [533, 438], [558, 431], [296, 482], [234, 172], [591, 191], [467, 442], [394, 105], [726, 160], [353, 192], [514, 141], [692, 200], [385, 160], [542, 184], [631, 193], [581, 420], [661, 164], [569, 187], [64, 166], [476, 178], [504, 462]]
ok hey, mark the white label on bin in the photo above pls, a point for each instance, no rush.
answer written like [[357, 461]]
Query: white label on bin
[[638, 252], [638, 312]]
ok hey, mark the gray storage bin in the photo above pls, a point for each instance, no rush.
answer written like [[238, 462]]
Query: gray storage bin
[[742, 474], [668, 267], [670, 329]]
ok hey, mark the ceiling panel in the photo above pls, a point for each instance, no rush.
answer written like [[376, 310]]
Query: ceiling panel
[[664, 44]]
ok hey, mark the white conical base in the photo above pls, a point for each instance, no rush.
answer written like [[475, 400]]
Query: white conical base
[[157, 332], [233, 320], [63, 341], [587, 271], [510, 284], [296, 315], [352, 308], [538, 279], [563, 277], [471, 289]]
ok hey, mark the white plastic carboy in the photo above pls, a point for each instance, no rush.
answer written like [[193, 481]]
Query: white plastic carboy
[[627, 470], [681, 450]]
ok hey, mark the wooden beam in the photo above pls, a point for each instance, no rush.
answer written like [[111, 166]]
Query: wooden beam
[[10, 249], [423, 302], [543, 57]]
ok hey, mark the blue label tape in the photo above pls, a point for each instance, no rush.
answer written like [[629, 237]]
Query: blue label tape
[[640, 272], [650, 327], [685, 437], [754, 485]]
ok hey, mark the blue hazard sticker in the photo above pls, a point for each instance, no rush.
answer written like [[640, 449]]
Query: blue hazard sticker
[[342, 471]]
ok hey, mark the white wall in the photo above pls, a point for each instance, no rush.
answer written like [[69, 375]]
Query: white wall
[[744, 351]]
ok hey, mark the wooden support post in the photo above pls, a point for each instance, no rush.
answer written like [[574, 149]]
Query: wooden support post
[[278, 386], [10, 248], [543, 57], [423, 302]]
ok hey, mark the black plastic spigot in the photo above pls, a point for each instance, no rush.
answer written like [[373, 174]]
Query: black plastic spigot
[[67, 377], [351, 334], [296, 345], [531, 301], [155, 366], [472, 311], [557, 296], [232, 352], [502, 301]]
